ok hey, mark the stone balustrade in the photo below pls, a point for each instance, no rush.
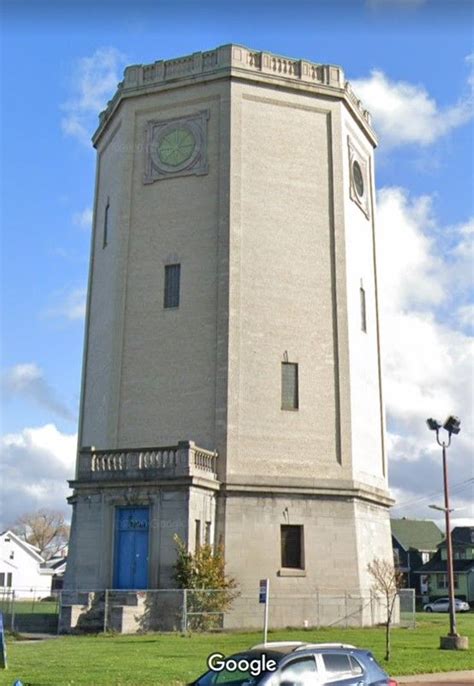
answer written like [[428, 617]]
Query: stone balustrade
[[184, 459], [235, 58]]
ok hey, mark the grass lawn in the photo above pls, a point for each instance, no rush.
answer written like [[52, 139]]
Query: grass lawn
[[172, 660], [29, 606]]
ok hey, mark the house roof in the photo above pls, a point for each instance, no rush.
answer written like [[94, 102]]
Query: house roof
[[418, 534], [436, 564], [23, 544], [461, 535]]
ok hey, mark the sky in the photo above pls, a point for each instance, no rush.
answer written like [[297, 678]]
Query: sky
[[412, 64]]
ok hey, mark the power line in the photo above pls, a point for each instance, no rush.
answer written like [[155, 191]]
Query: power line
[[456, 488]]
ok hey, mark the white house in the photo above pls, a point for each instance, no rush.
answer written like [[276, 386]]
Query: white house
[[21, 569]]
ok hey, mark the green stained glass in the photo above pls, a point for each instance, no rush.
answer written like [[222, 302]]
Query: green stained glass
[[176, 147]]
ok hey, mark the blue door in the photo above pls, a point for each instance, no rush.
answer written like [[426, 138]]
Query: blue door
[[131, 547]]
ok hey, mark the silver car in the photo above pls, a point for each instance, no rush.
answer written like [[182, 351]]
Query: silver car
[[442, 605], [296, 664]]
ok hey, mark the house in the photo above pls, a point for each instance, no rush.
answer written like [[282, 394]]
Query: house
[[57, 565], [435, 574], [22, 569], [414, 543]]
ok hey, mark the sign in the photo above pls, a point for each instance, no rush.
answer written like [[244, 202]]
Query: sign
[[263, 591], [3, 645]]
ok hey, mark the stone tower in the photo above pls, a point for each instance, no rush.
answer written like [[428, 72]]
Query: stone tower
[[232, 379]]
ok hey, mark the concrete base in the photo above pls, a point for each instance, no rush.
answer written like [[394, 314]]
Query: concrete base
[[454, 642]]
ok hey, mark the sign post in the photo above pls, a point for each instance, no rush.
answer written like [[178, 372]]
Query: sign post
[[264, 597], [3, 646]]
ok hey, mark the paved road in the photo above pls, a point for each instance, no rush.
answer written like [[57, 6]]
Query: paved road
[[441, 679]]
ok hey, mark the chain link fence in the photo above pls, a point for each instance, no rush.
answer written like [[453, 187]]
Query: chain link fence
[[30, 611], [214, 610], [194, 610]]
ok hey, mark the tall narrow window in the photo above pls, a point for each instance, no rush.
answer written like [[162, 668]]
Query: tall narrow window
[[363, 315], [2, 579], [208, 533], [172, 279], [292, 545], [197, 535], [106, 223], [9, 579], [289, 386]]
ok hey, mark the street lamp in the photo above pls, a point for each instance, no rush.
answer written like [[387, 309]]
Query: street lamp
[[453, 426]]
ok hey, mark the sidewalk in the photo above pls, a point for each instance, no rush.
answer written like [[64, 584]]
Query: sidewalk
[[465, 677]]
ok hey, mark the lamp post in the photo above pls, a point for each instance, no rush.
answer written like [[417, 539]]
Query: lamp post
[[453, 426]]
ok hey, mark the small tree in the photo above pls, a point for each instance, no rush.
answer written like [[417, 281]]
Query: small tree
[[203, 573], [45, 529], [387, 580]]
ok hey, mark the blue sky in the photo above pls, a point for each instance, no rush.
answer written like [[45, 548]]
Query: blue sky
[[411, 61]]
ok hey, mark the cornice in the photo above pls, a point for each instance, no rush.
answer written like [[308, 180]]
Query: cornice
[[236, 61]]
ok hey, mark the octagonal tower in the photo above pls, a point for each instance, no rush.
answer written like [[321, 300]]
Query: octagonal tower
[[232, 377]]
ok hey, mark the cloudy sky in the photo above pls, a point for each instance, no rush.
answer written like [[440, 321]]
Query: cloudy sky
[[411, 62]]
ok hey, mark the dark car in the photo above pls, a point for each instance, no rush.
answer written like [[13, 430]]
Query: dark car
[[296, 664]]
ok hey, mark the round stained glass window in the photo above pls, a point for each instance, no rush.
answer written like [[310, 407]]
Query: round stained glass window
[[358, 178], [176, 147]]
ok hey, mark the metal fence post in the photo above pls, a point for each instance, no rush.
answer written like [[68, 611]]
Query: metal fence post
[[106, 609], [318, 610], [12, 621], [59, 607], [184, 620], [346, 610]]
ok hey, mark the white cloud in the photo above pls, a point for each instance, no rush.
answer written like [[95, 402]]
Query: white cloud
[[94, 82], [71, 306], [28, 381], [406, 114], [36, 464], [428, 359], [83, 219]]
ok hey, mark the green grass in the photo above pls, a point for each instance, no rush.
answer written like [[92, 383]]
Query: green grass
[[23, 607], [172, 660]]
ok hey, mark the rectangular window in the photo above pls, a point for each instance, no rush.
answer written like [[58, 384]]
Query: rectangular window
[[292, 545], [2, 579], [208, 533], [443, 581], [289, 386], [106, 223], [9, 579], [363, 315], [172, 278], [197, 535]]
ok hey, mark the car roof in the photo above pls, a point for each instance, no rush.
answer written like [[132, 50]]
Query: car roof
[[279, 646], [293, 646]]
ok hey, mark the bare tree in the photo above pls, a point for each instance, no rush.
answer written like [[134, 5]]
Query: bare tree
[[47, 530], [387, 580]]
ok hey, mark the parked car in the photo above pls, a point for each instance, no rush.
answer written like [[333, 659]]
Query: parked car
[[296, 664], [442, 605]]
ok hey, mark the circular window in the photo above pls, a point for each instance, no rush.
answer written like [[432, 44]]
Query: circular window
[[176, 147], [358, 178]]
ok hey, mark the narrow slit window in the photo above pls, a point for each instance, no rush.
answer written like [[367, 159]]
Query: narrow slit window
[[292, 545], [208, 533], [363, 311], [106, 224], [289, 386], [9, 580], [172, 285], [197, 535]]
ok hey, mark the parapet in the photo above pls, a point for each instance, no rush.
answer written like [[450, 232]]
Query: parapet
[[238, 61]]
